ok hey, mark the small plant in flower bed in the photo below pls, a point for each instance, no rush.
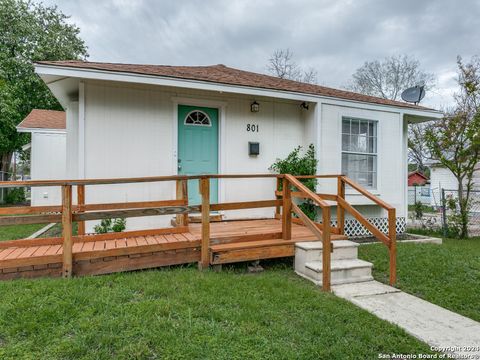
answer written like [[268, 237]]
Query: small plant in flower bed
[[297, 163], [418, 208], [110, 225]]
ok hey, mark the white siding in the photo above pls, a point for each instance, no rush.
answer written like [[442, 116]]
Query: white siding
[[281, 130], [310, 120], [441, 178], [48, 154], [476, 178], [129, 133], [390, 160], [72, 140]]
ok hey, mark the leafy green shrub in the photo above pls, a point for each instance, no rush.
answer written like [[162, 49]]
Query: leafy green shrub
[[455, 218], [297, 163], [110, 225], [119, 225], [418, 208], [15, 196]]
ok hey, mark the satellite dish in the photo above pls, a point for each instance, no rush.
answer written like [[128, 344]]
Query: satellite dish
[[414, 94]]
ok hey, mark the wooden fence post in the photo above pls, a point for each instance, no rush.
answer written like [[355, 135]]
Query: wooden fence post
[[205, 245], [340, 209], [326, 249], [392, 234], [277, 208], [182, 194], [81, 209], [67, 230], [287, 211]]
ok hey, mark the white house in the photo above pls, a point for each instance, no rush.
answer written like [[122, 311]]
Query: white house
[[443, 178], [146, 120], [47, 152]]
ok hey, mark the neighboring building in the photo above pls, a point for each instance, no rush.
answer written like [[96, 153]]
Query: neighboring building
[[443, 178], [418, 188], [416, 178], [146, 120], [47, 152]]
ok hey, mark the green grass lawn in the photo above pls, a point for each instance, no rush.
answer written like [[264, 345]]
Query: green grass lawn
[[182, 313], [447, 275], [425, 208], [13, 232]]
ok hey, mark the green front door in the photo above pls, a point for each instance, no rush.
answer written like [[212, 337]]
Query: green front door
[[198, 147]]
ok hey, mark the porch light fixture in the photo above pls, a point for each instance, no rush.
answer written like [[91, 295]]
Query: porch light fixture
[[304, 105], [255, 107]]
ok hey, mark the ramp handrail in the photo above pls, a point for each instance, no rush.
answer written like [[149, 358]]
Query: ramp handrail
[[390, 239], [66, 213], [323, 235]]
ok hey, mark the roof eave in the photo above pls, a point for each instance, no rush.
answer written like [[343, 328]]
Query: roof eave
[[96, 74], [21, 129]]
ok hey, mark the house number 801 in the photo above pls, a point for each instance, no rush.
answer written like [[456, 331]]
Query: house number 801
[[252, 127]]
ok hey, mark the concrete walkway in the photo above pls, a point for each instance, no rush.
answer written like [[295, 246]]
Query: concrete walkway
[[445, 330]]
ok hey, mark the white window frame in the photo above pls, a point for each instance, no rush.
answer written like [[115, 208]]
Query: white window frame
[[376, 153], [201, 112]]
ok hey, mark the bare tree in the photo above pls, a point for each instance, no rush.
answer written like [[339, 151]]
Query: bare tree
[[389, 77], [468, 98], [282, 65], [417, 149], [310, 76]]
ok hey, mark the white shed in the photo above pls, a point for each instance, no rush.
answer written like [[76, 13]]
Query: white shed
[[47, 152], [443, 178]]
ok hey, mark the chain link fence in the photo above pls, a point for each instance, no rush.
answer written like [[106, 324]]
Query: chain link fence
[[450, 211], [419, 194], [8, 176], [441, 211], [4, 176], [426, 195]]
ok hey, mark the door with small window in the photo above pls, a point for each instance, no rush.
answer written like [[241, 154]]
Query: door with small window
[[359, 151], [198, 147]]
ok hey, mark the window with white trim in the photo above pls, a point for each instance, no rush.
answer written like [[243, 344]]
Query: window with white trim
[[359, 151]]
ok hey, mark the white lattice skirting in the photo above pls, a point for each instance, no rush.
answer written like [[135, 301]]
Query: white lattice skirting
[[354, 229]]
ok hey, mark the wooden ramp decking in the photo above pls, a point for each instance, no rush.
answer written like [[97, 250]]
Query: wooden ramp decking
[[231, 241], [207, 243]]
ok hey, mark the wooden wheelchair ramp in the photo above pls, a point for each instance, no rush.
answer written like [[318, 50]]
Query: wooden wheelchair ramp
[[231, 241], [207, 243]]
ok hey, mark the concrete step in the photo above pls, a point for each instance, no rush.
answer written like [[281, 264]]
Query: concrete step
[[343, 271], [312, 251]]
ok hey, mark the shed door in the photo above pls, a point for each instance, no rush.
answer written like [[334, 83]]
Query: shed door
[[198, 147]]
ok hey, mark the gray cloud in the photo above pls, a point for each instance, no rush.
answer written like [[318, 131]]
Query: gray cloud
[[334, 37]]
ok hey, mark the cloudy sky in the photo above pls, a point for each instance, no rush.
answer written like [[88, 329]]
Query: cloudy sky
[[335, 37]]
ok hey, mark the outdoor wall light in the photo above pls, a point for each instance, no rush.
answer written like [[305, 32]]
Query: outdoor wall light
[[304, 105], [255, 107]]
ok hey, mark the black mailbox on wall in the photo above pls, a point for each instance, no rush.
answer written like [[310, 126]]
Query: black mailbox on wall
[[253, 148]]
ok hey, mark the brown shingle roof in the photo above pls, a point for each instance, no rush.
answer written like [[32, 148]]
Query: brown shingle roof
[[44, 119], [225, 75]]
